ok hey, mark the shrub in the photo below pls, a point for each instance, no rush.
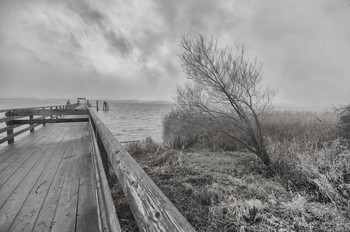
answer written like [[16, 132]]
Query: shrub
[[145, 147], [179, 132], [344, 122]]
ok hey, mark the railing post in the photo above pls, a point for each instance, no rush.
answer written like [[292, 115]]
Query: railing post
[[56, 114], [44, 119], [51, 116], [96, 105], [31, 124], [9, 123]]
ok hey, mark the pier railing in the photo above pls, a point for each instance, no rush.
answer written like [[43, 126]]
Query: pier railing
[[36, 116]]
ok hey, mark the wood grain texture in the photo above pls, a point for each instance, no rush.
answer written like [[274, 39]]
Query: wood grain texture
[[107, 212], [152, 210], [19, 195], [27, 215], [10, 136], [87, 217], [49, 112], [53, 120], [47, 183]]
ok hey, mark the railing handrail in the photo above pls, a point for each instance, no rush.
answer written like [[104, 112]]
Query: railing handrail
[[13, 118], [28, 108], [152, 210]]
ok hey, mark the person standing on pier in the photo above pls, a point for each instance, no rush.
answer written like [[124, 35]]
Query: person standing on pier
[[68, 105]]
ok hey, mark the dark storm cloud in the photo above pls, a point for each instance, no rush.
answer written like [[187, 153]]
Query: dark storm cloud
[[118, 42]]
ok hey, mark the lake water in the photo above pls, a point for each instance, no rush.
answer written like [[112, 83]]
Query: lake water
[[128, 121], [136, 120]]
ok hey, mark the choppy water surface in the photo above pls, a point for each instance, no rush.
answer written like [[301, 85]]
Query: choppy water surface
[[135, 121]]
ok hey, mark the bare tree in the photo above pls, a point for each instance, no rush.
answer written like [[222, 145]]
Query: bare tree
[[225, 88]]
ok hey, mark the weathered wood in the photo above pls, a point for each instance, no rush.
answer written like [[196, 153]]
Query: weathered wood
[[87, 202], [2, 130], [104, 155], [54, 120], [152, 210], [35, 107], [30, 209], [22, 144], [31, 124], [17, 161], [49, 112], [44, 123], [65, 216], [44, 220], [106, 204], [25, 186], [6, 119], [20, 150], [10, 136]]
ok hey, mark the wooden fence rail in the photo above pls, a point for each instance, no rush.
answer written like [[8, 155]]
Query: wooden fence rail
[[152, 210], [14, 118]]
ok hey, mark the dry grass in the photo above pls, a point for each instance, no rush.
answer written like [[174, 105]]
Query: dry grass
[[232, 191]]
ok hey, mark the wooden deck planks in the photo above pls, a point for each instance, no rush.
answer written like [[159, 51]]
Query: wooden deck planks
[[26, 217], [45, 218], [49, 184], [16, 160], [27, 139], [18, 147], [87, 200], [9, 183], [65, 216]]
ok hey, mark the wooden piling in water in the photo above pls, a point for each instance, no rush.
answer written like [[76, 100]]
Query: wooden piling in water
[[105, 106]]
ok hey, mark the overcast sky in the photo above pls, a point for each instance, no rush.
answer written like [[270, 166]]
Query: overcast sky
[[128, 49]]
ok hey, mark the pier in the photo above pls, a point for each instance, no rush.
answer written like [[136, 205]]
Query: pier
[[54, 178]]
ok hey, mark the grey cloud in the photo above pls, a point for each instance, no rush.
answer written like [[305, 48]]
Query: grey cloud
[[118, 42], [86, 12]]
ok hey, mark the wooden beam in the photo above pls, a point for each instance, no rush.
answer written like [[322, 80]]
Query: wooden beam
[[10, 137], [31, 117], [2, 130], [50, 112], [107, 210], [54, 120], [6, 119], [152, 210], [6, 110], [44, 123]]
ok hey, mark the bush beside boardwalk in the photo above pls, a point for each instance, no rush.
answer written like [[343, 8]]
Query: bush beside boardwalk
[[219, 187]]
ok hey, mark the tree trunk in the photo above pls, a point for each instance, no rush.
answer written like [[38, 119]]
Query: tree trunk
[[264, 156]]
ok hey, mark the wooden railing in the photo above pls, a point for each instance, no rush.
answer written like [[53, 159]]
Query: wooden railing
[[15, 118], [152, 210]]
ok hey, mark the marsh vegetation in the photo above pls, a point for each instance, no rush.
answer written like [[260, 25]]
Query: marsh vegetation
[[220, 186]]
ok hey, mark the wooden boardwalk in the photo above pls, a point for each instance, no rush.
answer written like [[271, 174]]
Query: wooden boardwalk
[[54, 178], [46, 181]]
